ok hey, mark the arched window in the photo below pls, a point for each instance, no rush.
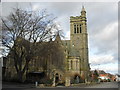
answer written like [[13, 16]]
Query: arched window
[[76, 65], [74, 28], [71, 65], [77, 29], [80, 29]]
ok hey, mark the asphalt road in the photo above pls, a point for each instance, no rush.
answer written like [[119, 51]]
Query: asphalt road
[[16, 86], [105, 85]]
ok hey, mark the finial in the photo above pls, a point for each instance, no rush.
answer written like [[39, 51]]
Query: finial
[[83, 9]]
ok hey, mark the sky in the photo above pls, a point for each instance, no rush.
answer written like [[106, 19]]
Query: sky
[[102, 27]]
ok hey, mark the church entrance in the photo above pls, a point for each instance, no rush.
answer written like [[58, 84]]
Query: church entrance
[[77, 79]]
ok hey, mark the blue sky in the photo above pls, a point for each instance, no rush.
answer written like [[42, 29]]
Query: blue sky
[[102, 26]]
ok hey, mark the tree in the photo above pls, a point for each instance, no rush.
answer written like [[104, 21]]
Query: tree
[[21, 30], [95, 75]]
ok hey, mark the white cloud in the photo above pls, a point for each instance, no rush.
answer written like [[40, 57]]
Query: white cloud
[[59, 1], [102, 59], [67, 35], [105, 42], [108, 33], [109, 68], [35, 7]]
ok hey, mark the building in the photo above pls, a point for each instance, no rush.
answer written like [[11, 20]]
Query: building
[[117, 77], [102, 76], [107, 77], [74, 64]]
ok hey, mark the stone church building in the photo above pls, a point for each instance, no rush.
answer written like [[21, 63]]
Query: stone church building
[[74, 64]]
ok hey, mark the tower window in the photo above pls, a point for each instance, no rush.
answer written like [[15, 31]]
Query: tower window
[[74, 28], [77, 29], [71, 64], [80, 29]]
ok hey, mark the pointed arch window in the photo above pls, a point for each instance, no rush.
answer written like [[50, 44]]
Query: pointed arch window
[[74, 28], [77, 29], [80, 29], [71, 64]]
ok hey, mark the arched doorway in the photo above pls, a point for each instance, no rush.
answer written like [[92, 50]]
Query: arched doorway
[[77, 79]]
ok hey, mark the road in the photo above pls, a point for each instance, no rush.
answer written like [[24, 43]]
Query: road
[[7, 86], [105, 85]]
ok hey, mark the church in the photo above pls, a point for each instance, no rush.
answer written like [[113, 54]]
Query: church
[[71, 61]]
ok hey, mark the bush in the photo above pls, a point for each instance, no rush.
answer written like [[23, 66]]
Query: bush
[[49, 81]]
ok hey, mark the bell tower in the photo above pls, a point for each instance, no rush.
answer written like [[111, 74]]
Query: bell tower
[[79, 40]]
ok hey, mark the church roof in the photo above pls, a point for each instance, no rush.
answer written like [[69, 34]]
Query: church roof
[[58, 37]]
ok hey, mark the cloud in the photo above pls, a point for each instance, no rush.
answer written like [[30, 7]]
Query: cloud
[[106, 41], [105, 47], [107, 38], [109, 68], [102, 59], [67, 36], [35, 7], [101, 14]]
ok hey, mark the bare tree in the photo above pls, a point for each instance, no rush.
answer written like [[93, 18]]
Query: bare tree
[[21, 30]]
